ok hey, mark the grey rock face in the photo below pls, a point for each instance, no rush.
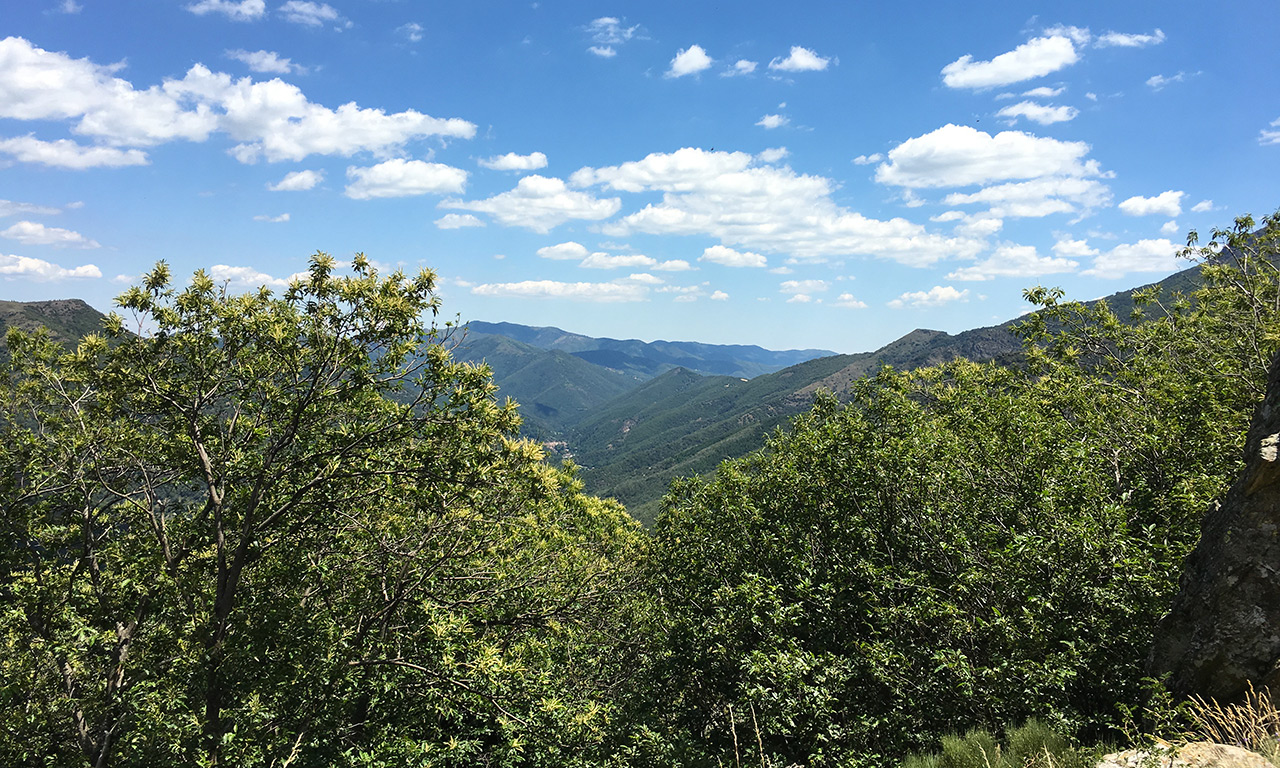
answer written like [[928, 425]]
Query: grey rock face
[[1223, 631]]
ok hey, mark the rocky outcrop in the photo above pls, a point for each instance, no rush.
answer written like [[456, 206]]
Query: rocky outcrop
[[1197, 754], [1223, 631]]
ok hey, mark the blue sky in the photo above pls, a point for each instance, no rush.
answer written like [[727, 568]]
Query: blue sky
[[809, 175]]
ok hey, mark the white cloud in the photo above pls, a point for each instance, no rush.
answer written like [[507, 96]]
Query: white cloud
[[609, 30], [1035, 58], [458, 221], [719, 296], [540, 204], [868, 159], [297, 181], [1014, 261], [848, 300], [1043, 92], [65, 153], [1044, 114], [1159, 82], [740, 67], [1037, 198], [1143, 256], [248, 277], [264, 61], [603, 51], [412, 31], [673, 265], [308, 13], [1266, 137], [247, 10], [11, 208], [800, 60], [643, 278], [767, 209], [40, 270], [1120, 39], [981, 226], [800, 298], [404, 178], [959, 155], [601, 260], [70, 7], [934, 297], [770, 122], [271, 119], [1202, 206], [773, 154], [728, 257], [1167, 203], [689, 61], [551, 289], [1068, 248], [34, 233], [513, 162], [564, 251], [272, 219], [1169, 227], [803, 286]]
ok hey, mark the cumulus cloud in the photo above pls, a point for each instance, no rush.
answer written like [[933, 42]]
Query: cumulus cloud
[[35, 233], [249, 278], [1202, 206], [800, 298], [564, 251], [1169, 227], [1123, 40], [767, 209], [248, 10], [308, 13], [1037, 198], [850, 301], [689, 61], [297, 181], [773, 154], [934, 297], [1069, 248], [513, 162], [800, 60], [1143, 256], [1035, 58], [601, 260], [25, 267], [1167, 203], [728, 257], [412, 31], [868, 159], [770, 122], [603, 51], [12, 208], [65, 153], [540, 203], [960, 155], [271, 119], [457, 221], [1014, 261], [1160, 82], [719, 296], [272, 219], [740, 67], [609, 30], [404, 178], [1043, 114], [622, 290], [1266, 137], [803, 286], [1043, 92], [264, 61]]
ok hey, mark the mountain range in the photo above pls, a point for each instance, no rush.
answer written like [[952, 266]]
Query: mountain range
[[633, 415]]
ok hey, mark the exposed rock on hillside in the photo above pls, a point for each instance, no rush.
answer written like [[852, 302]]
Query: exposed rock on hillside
[[1223, 631], [1197, 754]]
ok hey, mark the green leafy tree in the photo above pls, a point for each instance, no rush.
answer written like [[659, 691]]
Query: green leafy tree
[[966, 545], [291, 530]]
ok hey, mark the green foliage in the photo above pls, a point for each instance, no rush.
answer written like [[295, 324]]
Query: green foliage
[[291, 530], [965, 545], [1031, 745]]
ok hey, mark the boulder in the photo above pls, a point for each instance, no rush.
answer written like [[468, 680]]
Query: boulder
[[1222, 632], [1197, 754]]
